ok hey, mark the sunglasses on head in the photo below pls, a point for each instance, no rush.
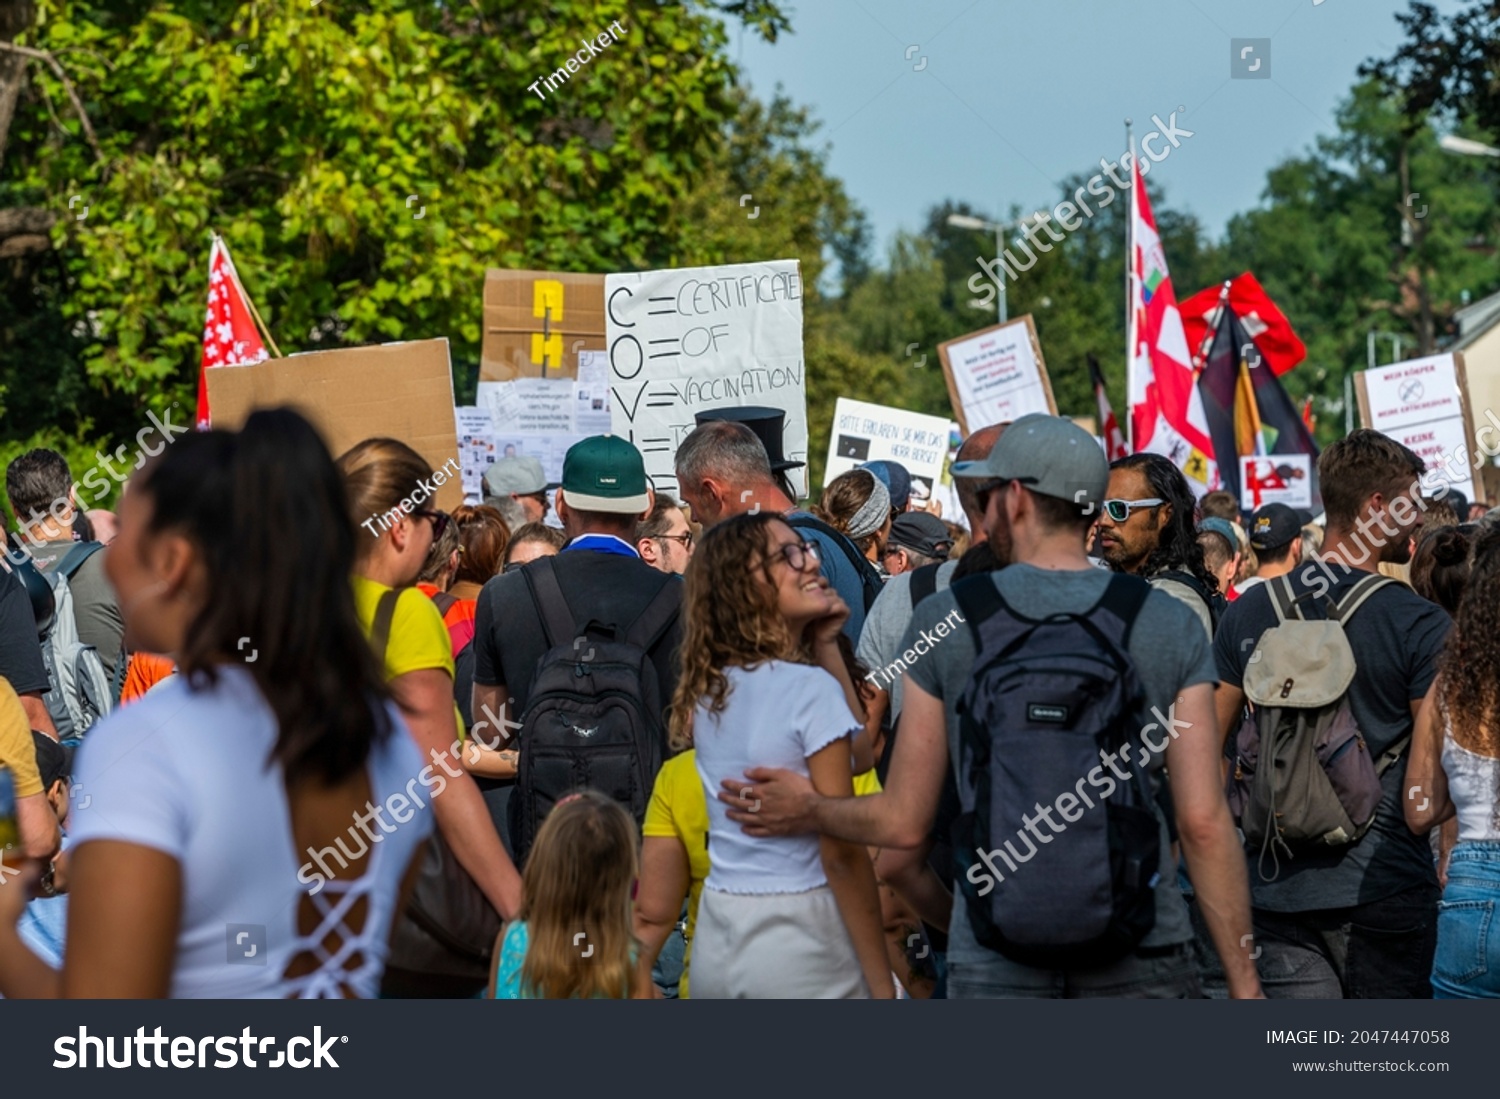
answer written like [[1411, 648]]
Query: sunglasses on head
[[1119, 510]]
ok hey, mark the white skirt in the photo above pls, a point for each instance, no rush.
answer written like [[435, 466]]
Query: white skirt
[[774, 946]]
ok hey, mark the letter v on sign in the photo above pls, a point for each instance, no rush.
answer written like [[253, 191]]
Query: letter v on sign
[[621, 404]]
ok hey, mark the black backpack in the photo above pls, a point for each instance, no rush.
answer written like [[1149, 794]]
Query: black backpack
[[593, 717], [869, 575], [1046, 701]]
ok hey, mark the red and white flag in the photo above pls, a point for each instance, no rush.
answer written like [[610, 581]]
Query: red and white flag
[[230, 337], [1109, 427], [1166, 409]]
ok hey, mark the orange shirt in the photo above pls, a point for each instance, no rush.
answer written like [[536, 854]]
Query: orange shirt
[[146, 671], [459, 617]]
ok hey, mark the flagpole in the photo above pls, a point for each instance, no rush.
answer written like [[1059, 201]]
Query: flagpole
[[1130, 332], [234, 273]]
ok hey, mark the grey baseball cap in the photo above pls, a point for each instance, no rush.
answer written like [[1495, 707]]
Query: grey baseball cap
[[520, 475], [1050, 456]]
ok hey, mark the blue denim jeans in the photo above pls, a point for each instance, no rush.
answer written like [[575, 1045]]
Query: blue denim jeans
[[1467, 965]]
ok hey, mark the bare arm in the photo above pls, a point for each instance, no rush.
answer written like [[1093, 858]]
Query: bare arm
[[1215, 859], [38, 714], [769, 802], [851, 875], [1229, 703], [665, 879], [488, 763], [907, 872], [122, 928], [1425, 800], [426, 699], [40, 838]]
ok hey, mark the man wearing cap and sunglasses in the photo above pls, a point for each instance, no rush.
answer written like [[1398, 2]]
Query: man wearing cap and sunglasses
[[916, 539], [520, 479], [1040, 487]]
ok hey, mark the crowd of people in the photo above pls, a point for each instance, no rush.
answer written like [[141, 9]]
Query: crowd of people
[[583, 739]]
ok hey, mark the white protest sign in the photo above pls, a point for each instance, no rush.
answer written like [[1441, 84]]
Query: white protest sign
[[1423, 404], [1276, 479], [997, 374], [689, 339], [869, 432], [476, 448], [542, 417]]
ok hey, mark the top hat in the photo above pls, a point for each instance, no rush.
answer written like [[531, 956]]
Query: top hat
[[768, 425]]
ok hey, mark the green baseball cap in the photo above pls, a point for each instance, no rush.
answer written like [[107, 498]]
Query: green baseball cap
[[605, 473]]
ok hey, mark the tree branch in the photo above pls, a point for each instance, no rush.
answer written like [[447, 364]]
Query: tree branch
[[56, 67]]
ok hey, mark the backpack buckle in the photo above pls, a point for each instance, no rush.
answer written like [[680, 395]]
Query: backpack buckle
[[1286, 688]]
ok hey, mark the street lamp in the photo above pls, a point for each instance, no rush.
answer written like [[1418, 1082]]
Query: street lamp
[[981, 225], [1464, 147]]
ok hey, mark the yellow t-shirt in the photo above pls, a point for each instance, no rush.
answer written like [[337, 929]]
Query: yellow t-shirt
[[17, 752], [679, 810], [418, 638]]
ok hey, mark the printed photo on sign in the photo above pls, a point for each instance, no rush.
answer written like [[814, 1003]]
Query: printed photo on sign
[[1276, 479]]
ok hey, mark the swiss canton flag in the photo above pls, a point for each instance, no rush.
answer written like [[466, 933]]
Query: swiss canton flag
[[1166, 410], [230, 337]]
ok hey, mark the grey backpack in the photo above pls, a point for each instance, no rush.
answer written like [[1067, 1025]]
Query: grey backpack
[[80, 692], [1303, 777]]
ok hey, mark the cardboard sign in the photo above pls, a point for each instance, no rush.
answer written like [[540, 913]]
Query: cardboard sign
[[536, 323], [402, 390], [689, 339], [996, 374], [869, 432], [1424, 405], [1276, 479]]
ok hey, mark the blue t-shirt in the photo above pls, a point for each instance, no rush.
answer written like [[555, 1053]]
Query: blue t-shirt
[[834, 564]]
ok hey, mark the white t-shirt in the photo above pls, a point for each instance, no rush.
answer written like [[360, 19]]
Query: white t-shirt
[[776, 715], [185, 772]]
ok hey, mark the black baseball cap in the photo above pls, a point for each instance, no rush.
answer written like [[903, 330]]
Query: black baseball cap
[[1273, 526], [921, 532]]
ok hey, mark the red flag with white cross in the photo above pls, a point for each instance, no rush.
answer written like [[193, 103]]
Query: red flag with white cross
[[230, 335]]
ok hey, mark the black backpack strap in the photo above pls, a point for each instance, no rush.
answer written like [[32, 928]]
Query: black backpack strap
[[444, 602], [1357, 596], [546, 593], [1123, 597], [77, 554], [979, 600], [380, 626], [923, 582], [658, 615]]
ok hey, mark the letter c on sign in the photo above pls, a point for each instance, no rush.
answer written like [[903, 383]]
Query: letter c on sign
[[616, 357], [618, 291]]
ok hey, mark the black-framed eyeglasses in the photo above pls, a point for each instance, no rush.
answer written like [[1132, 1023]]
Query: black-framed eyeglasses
[[541, 498], [797, 554], [1119, 510], [685, 539], [440, 521]]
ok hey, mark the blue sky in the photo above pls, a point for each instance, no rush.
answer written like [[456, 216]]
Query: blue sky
[[1015, 96]]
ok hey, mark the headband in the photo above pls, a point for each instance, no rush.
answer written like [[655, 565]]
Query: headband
[[872, 516]]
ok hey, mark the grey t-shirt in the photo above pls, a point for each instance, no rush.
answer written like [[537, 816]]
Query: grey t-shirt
[[94, 603], [1170, 651], [1189, 599], [885, 626]]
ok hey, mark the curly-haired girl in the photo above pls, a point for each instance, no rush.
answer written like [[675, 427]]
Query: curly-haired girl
[[764, 684]]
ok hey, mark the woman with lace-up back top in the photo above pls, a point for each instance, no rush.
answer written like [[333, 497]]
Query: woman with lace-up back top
[[1454, 772], [228, 847]]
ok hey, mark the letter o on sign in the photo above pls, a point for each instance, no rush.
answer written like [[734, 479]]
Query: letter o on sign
[[625, 362]]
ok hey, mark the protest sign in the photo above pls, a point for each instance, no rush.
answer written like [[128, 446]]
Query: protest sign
[[689, 339], [1424, 405], [869, 432], [1276, 479], [476, 448], [536, 323], [401, 390], [542, 417], [996, 374]]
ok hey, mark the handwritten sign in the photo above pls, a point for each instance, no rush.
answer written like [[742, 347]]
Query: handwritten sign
[[1424, 405], [997, 374], [694, 338], [868, 432]]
